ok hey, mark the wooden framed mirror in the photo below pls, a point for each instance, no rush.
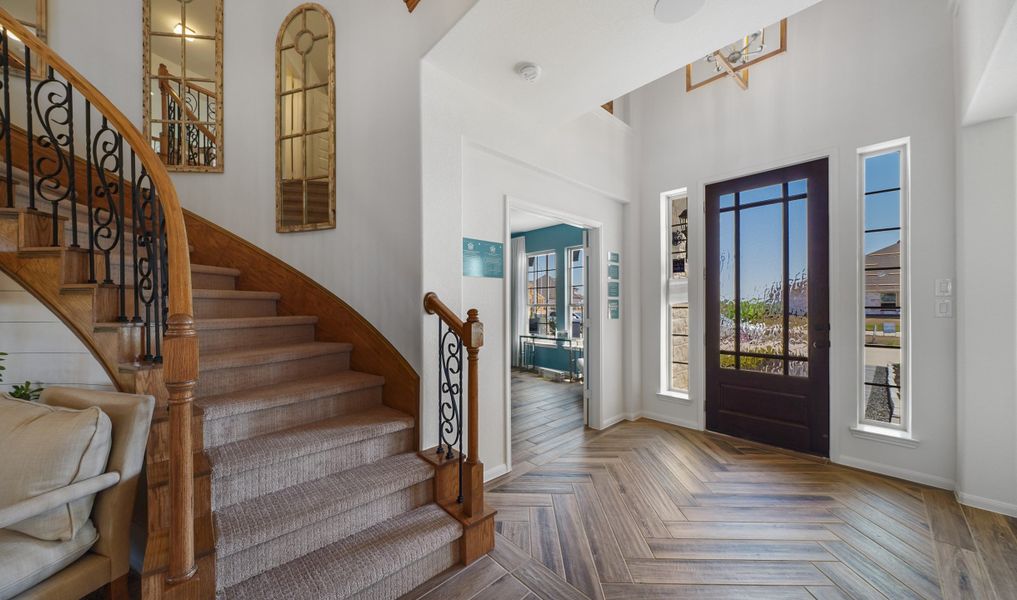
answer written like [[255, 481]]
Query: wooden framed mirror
[[31, 14], [183, 82], [305, 121]]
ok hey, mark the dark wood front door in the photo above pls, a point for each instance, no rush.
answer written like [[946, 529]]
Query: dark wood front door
[[767, 308]]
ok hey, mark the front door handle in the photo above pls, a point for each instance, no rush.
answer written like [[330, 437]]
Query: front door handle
[[817, 344]]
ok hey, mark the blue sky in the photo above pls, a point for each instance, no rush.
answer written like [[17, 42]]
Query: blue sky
[[761, 227]]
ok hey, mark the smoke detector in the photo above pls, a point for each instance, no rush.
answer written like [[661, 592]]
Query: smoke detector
[[676, 11], [528, 72]]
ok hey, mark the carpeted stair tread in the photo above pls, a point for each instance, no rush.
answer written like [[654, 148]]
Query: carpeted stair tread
[[319, 436], [270, 354], [340, 570], [267, 517], [216, 324], [286, 393]]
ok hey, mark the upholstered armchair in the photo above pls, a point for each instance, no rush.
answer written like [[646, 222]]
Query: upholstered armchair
[[70, 562]]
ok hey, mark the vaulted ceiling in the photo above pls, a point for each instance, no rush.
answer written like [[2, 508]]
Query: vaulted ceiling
[[590, 51]]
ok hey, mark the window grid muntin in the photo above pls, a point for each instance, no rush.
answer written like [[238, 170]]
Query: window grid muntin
[[571, 286], [737, 207], [547, 292], [902, 302]]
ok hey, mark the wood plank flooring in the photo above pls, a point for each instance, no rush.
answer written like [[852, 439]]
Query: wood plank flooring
[[651, 511], [545, 415]]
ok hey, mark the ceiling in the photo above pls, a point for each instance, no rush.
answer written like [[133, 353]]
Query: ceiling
[[520, 221], [591, 51]]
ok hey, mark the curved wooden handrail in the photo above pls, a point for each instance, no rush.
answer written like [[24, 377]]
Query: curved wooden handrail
[[434, 306], [180, 370]]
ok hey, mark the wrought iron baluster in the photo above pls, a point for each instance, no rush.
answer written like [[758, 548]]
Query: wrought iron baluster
[[89, 191], [450, 396], [29, 125], [135, 232], [72, 167], [106, 150], [161, 277], [122, 225], [6, 121], [52, 103]]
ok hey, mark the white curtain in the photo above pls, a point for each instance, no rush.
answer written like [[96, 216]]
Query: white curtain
[[519, 312]]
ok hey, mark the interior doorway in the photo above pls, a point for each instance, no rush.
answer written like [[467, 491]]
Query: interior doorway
[[767, 307], [549, 382]]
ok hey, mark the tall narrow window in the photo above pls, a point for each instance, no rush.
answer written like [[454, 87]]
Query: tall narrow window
[[542, 281], [576, 290], [884, 301], [678, 294]]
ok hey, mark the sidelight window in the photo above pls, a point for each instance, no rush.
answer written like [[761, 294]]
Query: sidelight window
[[884, 197], [678, 294]]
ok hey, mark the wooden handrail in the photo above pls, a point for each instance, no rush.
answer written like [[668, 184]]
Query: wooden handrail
[[180, 370], [471, 332]]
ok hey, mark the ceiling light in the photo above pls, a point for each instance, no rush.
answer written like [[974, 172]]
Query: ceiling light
[[529, 72], [179, 30], [676, 11]]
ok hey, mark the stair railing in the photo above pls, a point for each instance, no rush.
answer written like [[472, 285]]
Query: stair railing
[[185, 137], [132, 220], [453, 335]]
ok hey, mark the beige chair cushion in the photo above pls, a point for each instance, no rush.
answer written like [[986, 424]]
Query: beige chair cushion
[[45, 448], [26, 561]]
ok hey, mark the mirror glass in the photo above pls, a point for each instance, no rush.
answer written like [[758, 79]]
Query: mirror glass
[[305, 121], [183, 75], [31, 14]]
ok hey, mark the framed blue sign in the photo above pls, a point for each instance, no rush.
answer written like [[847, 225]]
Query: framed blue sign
[[483, 259]]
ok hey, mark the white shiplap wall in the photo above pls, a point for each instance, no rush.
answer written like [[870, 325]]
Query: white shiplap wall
[[39, 347]]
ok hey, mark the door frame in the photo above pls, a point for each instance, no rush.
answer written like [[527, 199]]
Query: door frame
[[821, 298], [596, 290]]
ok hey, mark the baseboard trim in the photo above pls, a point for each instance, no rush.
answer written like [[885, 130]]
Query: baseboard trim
[[495, 472], [899, 473], [669, 420], [989, 504], [615, 420]]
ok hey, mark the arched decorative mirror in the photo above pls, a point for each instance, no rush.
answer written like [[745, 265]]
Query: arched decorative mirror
[[183, 82], [305, 121], [31, 14]]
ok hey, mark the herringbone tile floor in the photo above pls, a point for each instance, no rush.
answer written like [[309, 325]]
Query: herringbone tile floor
[[646, 510]]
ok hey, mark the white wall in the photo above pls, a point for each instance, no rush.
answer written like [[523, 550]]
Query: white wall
[[372, 259], [40, 348], [891, 77], [981, 50], [986, 324], [476, 153]]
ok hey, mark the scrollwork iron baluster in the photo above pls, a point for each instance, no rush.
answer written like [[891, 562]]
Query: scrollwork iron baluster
[[450, 396], [53, 99]]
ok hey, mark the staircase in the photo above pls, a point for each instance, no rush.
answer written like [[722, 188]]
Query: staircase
[[316, 488], [296, 472]]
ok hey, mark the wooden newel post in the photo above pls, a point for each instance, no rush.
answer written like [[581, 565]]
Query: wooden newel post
[[473, 477], [181, 376]]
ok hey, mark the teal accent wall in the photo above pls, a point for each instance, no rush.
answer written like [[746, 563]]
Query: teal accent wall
[[557, 238]]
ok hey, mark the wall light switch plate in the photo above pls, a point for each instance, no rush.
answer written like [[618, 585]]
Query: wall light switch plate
[[944, 308], [944, 287]]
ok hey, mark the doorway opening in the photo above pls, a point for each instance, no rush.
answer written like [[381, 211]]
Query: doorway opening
[[767, 307], [550, 266]]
